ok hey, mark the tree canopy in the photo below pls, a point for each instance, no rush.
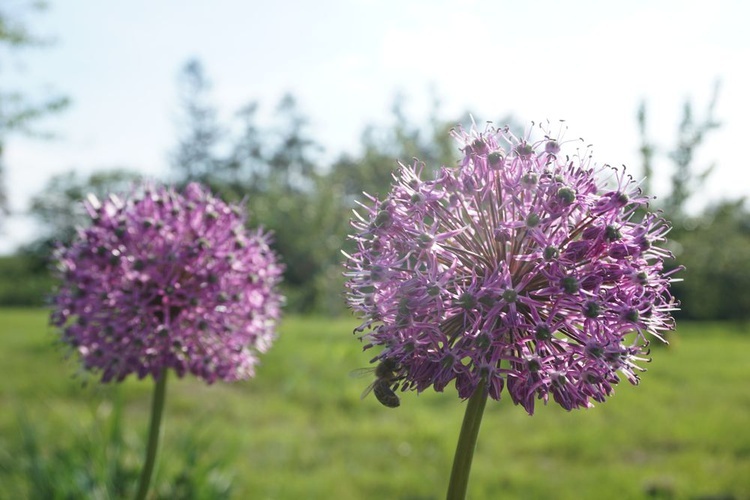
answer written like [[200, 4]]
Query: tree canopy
[[276, 168]]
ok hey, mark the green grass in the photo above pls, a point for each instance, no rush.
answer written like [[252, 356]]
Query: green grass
[[299, 429]]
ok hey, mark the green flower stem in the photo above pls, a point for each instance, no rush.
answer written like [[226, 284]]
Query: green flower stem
[[467, 441], [157, 407]]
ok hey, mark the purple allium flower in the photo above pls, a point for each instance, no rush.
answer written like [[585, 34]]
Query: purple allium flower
[[166, 280], [519, 267]]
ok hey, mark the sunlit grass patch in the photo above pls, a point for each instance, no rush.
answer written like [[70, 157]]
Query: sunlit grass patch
[[300, 430]]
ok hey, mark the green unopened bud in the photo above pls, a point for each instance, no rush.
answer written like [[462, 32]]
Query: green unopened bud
[[595, 350], [467, 301], [425, 240], [495, 159], [612, 233], [448, 361], [533, 365], [532, 220], [524, 150], [632, 315], [570, 284], [559, 379], [403, 306], [483, 341], [478, 144], [383, 218], [591, 309], [529, 179], [542, 333], [550, 253], [566, 195]]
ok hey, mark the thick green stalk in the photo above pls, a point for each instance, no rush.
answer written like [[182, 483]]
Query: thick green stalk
[[157, 407], [467, 441]]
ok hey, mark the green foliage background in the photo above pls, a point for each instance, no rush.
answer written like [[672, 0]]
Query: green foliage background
[[306, 202]]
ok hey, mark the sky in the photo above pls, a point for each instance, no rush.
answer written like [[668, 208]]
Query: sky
[[588, 62]]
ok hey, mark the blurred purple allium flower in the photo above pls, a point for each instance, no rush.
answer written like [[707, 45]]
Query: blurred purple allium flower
[[519, 267], [167, 280]]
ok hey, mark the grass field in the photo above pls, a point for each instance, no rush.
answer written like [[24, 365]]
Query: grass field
[[300, 431]]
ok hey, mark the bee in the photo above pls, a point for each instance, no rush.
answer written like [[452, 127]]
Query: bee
[[385, 377]]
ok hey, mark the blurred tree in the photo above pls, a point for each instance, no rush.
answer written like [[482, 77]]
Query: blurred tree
[[289, 195], [691, 134], [646, 149], [196, 156], [274, 167], [245, 169], [58, 209], [403, 140], [400, 141], [715, 251], [714, 246], [291, 161], [309, 227], [24, 280], [18, 112], [277, 168], [25, 277]]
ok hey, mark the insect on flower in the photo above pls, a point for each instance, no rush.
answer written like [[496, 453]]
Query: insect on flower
[[386, 377]]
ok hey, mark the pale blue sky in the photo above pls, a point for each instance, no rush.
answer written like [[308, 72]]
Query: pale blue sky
[[588, 62]]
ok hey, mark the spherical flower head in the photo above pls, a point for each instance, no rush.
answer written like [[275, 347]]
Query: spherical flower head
[[167, 280], [524, 266]]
